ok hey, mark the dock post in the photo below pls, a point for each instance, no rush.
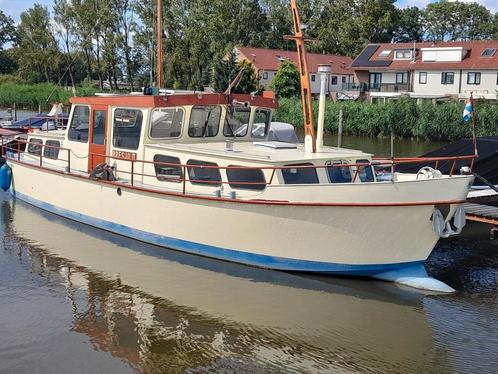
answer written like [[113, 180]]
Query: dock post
[[339, 133]]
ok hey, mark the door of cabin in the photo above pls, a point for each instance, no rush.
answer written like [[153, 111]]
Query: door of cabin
[[97, 136]]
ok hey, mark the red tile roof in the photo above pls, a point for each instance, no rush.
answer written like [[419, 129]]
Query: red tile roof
[[472, 60], [270, 59]]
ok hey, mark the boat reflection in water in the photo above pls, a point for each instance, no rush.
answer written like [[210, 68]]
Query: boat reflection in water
[[163, 310]]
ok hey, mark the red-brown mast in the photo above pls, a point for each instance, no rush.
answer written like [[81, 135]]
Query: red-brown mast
[[159, 30], [309, 121]]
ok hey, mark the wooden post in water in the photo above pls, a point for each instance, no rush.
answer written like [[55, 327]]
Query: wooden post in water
[[39, 108], [14, 114], [339, 133]]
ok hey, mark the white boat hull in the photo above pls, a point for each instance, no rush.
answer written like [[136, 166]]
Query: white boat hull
[[350, 240]]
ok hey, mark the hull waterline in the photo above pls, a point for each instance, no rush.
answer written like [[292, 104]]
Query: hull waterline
[[375, 252]]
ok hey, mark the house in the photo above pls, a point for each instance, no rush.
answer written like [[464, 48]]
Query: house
[[267, 61], [428, 70]]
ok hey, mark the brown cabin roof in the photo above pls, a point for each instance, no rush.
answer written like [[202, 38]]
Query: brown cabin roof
[[270, 59], [369, 58]]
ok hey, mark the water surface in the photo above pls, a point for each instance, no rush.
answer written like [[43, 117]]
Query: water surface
[[78, 299]]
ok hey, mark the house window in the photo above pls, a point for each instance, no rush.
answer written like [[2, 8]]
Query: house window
[[166, 123], [204, 121], [401, 78], [403, 54], [385, 53], [198, 173], [51, 149], [265, 75], [343, 79], [473, 78], [333, 80], [166, 168], [339, 174], [80, 122], [127, 128], [488, 52], [447, 77], [237, 121], [300, 175], [261, 124], [246, 179], [313, 77], [35, 146], [422, 77]]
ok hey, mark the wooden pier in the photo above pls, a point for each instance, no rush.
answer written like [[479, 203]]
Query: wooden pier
[[481, 213]]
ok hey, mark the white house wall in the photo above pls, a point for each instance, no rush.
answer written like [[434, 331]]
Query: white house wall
[[434, 86], [266, 78], [488, 83]]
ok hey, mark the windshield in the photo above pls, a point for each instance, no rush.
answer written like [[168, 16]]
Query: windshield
[[237, 121]]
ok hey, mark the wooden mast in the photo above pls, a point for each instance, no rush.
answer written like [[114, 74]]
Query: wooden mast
[[309, 121], [159, 27]]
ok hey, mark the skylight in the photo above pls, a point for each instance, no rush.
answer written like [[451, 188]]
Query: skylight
[[385, 53], [488, 52]]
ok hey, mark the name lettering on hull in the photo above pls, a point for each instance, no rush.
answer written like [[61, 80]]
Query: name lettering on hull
[[124, 155]]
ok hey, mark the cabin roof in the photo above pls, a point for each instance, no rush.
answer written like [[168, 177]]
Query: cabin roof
[[149, 101], [250, 151]]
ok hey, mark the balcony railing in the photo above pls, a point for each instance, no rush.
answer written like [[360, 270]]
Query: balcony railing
[[375, 87]]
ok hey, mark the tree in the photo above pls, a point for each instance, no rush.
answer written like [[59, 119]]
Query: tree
[[287, 82], [455, 20], [36, 46], [226, 70], [409, 26], [7, 29]]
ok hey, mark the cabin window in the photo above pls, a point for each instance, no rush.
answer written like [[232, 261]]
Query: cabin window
[[168, 168], [300, 174], [237, 121], [127, 128], [166, 123], [365, 173], [337, 173], [246, 178], [203, 173], [261, 124], [204, 121], [98, 131], [80, 123], [51, 149], [35, 146], [333, 80]]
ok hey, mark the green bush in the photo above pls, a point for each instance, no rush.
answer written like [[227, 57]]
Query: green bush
[[404, 118]]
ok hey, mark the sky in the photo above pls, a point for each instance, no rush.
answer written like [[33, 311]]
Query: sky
[[14, 8]]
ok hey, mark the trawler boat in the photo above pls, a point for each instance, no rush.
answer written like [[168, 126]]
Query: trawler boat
[[174, 170], [200, 173]]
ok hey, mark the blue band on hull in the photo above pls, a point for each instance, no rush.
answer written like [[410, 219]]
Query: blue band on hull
[[264, 261]]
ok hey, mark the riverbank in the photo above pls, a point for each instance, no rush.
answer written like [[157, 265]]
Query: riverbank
[[404, 118], [35, 95]]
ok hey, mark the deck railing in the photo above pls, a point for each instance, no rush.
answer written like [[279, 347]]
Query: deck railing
[[14, 150]]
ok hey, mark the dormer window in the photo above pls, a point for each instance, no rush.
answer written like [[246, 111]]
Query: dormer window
[[488, 52], [385, 53], [403, 54]]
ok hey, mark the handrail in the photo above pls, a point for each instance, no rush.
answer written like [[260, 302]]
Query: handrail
[[376, 162]]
